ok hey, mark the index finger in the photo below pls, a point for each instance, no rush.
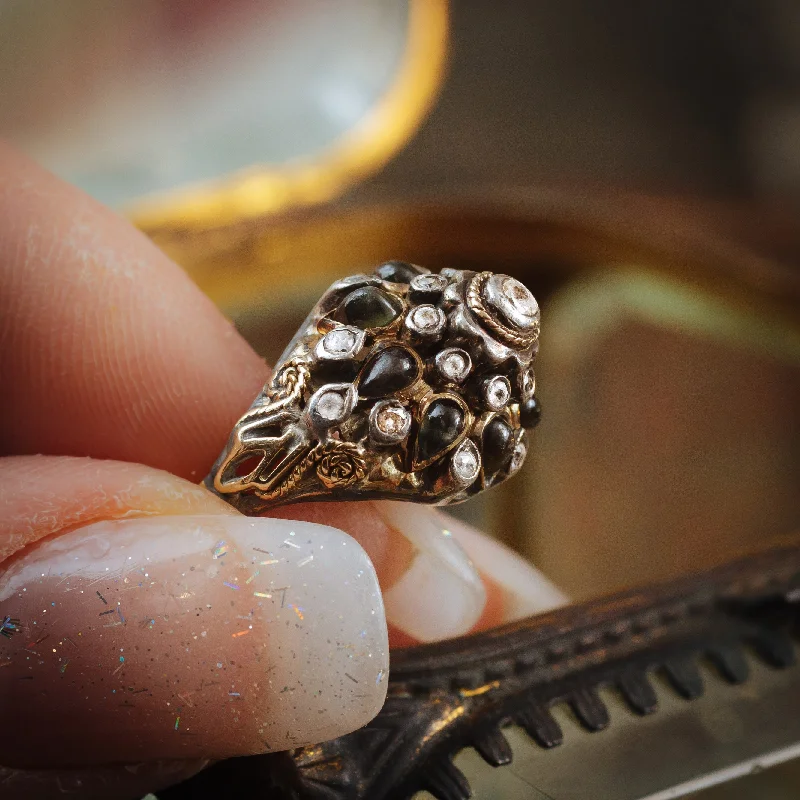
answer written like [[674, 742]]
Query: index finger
[[110, 351], [108, 348]]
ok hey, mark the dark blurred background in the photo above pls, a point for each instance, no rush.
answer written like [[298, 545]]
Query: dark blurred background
[[689, 98]]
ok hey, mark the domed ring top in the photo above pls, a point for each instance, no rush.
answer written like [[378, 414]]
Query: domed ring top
[[403, 385]]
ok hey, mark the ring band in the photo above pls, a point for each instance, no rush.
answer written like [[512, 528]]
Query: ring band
[[403, 384]]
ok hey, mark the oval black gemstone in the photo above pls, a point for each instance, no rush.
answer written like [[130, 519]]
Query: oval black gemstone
[[369, 307], [498, 439], [387, 372], [440, 427], [397, 272], [530, 413]]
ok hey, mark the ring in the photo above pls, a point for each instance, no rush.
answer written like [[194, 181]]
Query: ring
[[403, 384]]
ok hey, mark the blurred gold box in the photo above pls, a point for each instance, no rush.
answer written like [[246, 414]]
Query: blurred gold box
[[668, 367]]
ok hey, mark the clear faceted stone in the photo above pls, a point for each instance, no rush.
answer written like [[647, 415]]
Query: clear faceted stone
[[454, 364], [513, 300], [466, 462], [425, 317], [339, 342], [330, 406], [497, 392], [389, 422], [426, 320], [518, 456], [520, 297], [427, 288], [429, 283]]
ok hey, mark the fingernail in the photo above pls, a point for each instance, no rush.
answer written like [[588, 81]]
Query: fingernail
[[440, 594], [184, 637], [525, 590]]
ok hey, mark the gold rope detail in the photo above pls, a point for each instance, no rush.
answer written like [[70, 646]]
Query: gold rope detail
[[297, 473], [503, 332], [290, 383], [316, 456]]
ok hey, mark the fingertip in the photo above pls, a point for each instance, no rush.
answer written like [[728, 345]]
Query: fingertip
[[110, 351], [184, 637], [44, 495], [518, 588], [440, 577]]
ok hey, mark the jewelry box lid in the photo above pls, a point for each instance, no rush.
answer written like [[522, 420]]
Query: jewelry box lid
[[216, 111]]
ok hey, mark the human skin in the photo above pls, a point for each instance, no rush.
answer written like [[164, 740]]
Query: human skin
[[120, 384]]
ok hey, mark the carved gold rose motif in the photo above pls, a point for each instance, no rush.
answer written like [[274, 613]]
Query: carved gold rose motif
[[341, 465]]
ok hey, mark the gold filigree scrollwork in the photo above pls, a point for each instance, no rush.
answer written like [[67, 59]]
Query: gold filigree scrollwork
[[338, 465]]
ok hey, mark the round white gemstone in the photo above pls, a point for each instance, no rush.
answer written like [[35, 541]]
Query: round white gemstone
[[428, 283], [520, 297], [497, 392], [465, 463], [330, 406], [454, 364], [517, 456], [513, 300], [340, 341], [426, 320], [390, 422]]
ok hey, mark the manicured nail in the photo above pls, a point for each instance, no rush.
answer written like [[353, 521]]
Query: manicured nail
[[185, 637], [440, 594], [525, 590]]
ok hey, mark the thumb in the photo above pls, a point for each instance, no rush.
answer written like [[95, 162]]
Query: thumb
[[145, 620]]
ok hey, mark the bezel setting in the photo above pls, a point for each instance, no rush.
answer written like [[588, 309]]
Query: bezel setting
[[340, 344], [389, 422], [402, 384]]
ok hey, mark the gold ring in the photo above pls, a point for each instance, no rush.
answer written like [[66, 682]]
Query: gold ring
[[403, 384]]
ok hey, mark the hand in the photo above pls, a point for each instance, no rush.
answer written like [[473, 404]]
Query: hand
[[157, 628]]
